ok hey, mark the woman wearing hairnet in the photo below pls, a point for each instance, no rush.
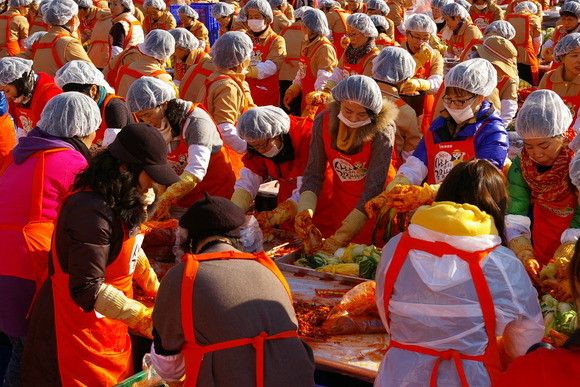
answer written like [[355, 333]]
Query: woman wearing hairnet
[[468, 128], [278, 148], [336, 20], [317, 60], [459, 31], [61, 44], [355, 6], [484, 12], [355, 134], [391, 69], [196, 151], [14, 25], [188, 52], [528, 40], [436, 6], [447, 288], [35, 22], [26, 91], [500, 28], [267, 55], [127, 31], [570, 23], [539, 176], [157, 48], [37, 175], [88, 16], [189, 19], [381, 9], [84, 77], [280, 20], [79, 325], [157, 17], [225, 14], [511, 8], [382, 39]]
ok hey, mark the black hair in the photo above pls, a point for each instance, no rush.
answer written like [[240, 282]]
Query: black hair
[[372, 115], [85, 89], [190, 244], [175, 112], [566, 13], [25, 84], [381, 29]]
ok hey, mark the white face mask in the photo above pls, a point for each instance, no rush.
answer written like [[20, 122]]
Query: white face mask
[[272, 152], [439, 20], [460, 115], [480, 6], [352, 124], [257, 25]]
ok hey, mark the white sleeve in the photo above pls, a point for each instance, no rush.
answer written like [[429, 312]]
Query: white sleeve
[[436, 81], [321, 77], [248, 181], [231, 138], [338, 75], [414, 170], [296, 192], [109, 136], [198, 160], [549, 44], [170, 368], [266, 69], [570, 235], [517, 225], [537, 43], [406, 154], [116, 50], [508, 110], [297, 79]]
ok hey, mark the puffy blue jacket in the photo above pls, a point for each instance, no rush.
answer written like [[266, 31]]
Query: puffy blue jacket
[[3, 104]]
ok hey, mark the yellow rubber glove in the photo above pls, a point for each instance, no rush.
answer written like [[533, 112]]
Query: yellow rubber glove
[[373, 206], [313, 101], [566, 251], [113, 303], [242, 199], [329, 85], [548, 54], [407, 198], [423, 56], [303, 224], [522, 248], [268, 219], [252, 72], [398, 180], [414, 85], [145, 276], [291, 93], [351, 226], [172, 195]]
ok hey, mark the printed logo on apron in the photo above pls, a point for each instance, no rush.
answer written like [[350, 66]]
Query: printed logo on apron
[[302, 69], [256, 58], [25, 124], [481, 22], [135, 253], [444, 163], [348, 172]]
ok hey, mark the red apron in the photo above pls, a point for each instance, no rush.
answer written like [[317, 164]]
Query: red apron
[[88, 25], [307, 79], [528, 47], [181, 67], [472, 43], [27, 118], [52, 46], [264, 91], [100, 133], [111, 77], [148, 26], [125, 70], [337, 36], [129, 34], [429, 101], [482, 20], [12, 46], [573, 104], [94, 351], [194, 352], [386, 43], [457, 48], [490, 358], [358, 69], [556, 38], [442, 157]]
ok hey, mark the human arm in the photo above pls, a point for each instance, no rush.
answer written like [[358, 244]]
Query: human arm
[[324, 63], [226, 102], [118, 35], [492, 143]]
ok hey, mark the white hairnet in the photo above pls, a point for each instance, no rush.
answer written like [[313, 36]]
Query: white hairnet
[[184, 39], [571, 7], [379, 21], [19, 3], [420, 23], [13, 68], [262, 123], [354, 1], [527, 6], [363, 23], [323, 4], [188, 11], [276, 3], [220, 10], [464, 4], [501, 28], [453, 10], [393, 65], [59, 12], [315, 20], [147, 93], [159, 44], [261, 6], [70, 114], [475, 75], [574, 169], [80, 72], [35, 37], [129, 5], [359, 89], [84, 3], [231, 49], [157, 4], [543, 115], [568, 43], [379, 5], [300, 11], [438, 4]]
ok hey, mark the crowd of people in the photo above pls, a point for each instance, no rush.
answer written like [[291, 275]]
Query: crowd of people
[[118, 113]]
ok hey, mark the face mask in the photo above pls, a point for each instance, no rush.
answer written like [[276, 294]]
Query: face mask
[[257, 25], [460, 115], [480, 6], [272, 152], [351, 124], [439, 20]]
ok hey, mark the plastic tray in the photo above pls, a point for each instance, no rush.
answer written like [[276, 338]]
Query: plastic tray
[[129, 381], [204, 11]]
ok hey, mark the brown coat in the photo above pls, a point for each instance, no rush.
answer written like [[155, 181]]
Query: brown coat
[[146, 65], [165, 22], [559, 86], [199, 30], [67, 48], [277, 51], [293, 39]]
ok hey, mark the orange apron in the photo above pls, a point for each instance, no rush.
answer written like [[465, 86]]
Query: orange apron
[[556, 38], [337, 36], [52, 46], [528, 47], [125, 70], [194, 352], [129, 33], [482, 20], [358, 69], [573, 104], [88, 25], [386, 43], [148, 26], [100, 133], [7, 137], [306, 76], [111, 77], [472, 43], [457, 48], [264, 91], [490, 357], [12, 46], [94, 350]]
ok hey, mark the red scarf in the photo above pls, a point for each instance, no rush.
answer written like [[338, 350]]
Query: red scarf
[[552, 185]]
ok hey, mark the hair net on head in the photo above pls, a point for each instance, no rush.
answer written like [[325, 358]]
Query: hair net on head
[[323, 4], [84, 3], [59, 12], [231, 49], [568, 43], [420, 23], [500, 28], [184, 39], [379, 21], [316, 21], [526, 6], [159, 44], [19, 3], [70, 114], [574, 169], [220, 10], [543, 115], [13, 68], [276, 3], [571, 7], [35, 37], [475, 75], [147, 93], [261, 6], [80, 72], [128, 4], [363, 23], [453, 10], [393, 65], [464, 4], [379, 5], [262, 123], [438, 4], [359, 89], [188, 11], [157, 4], [300, 11]]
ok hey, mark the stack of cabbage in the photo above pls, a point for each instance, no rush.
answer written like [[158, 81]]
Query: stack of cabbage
[[354, 260], [558, 316]]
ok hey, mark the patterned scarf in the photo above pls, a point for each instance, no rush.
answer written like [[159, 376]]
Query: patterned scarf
[[353, 55], [550, 186]]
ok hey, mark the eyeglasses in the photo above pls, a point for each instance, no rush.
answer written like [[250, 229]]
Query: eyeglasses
[[419, 38], [457, 102], [260, 145], [353, 35]]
